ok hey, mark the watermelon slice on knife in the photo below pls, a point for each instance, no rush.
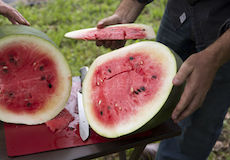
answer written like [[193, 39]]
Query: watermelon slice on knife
[[114, 32]]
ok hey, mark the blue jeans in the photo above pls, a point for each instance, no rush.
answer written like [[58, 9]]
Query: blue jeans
[[201, 129]]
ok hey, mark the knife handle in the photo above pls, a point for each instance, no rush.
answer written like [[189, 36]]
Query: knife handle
[[83, 71]]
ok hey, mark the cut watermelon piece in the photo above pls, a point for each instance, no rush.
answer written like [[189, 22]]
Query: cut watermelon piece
[[35, 77], [60, 122], [114, 32], [130, 89]]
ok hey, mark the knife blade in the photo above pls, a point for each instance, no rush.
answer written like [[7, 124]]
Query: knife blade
[[83, 122]]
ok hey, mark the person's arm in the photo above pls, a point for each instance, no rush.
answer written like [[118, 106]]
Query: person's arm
[[12, 14], [127, 12], [198, 71]]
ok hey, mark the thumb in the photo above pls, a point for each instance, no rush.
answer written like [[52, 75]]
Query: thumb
[[181, 76], [114, 19]]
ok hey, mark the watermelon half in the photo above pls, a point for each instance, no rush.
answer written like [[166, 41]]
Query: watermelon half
[[130, 89], [114, 32], [35, 79]]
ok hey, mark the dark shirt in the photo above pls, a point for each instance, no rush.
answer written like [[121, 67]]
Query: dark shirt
[[209, 18]]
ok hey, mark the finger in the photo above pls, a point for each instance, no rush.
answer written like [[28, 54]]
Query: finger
[[101, 24], [22, 20], [13, 15], [107, 44], [195, 104], [12, 20], [108, 21], [99, 43], [117, 44], [18, 17], [184, 71], [121, 44], [185, 100]]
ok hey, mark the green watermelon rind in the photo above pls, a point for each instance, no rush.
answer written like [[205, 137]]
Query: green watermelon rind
[[8, 30], [14, 31]]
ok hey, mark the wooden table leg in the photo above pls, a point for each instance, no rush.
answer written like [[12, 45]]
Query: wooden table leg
[[137, 152]]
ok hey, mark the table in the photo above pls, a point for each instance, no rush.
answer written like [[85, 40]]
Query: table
[[163, 131]]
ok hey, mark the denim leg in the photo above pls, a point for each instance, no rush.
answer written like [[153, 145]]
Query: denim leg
[[200, 130]]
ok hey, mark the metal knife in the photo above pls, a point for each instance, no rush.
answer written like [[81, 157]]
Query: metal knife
[[83, 122]]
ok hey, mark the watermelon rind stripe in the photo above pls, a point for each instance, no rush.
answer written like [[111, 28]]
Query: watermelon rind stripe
[[8, 30]]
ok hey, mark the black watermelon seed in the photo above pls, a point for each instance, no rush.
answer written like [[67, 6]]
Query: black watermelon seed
[[131, 58], [28, 104], [71, 128], [109, 107], [50, 85], [11, 94], [154, 77], [41, 68], [142, 88], [12, 60], [101, 113], [43, 78], [109, 70], [138, 90], [143, 29]]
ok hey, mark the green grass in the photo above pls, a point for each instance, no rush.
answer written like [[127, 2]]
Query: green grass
[[56, 17]]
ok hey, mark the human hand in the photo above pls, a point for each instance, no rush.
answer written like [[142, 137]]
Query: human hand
[[113, 44], [12, 14], [198, 71]]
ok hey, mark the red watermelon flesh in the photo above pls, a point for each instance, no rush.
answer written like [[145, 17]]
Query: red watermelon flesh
[[25, 74], [136, 80], [60, 122], [35, 79], [114, 32]]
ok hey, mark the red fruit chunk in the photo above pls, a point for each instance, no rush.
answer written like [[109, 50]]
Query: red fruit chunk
[[60, 122]]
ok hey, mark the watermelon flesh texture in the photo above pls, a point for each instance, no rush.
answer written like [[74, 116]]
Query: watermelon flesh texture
[[60, 122], [114, 32], [136, 80], [35, 77], [22, 78], [130, 89]]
